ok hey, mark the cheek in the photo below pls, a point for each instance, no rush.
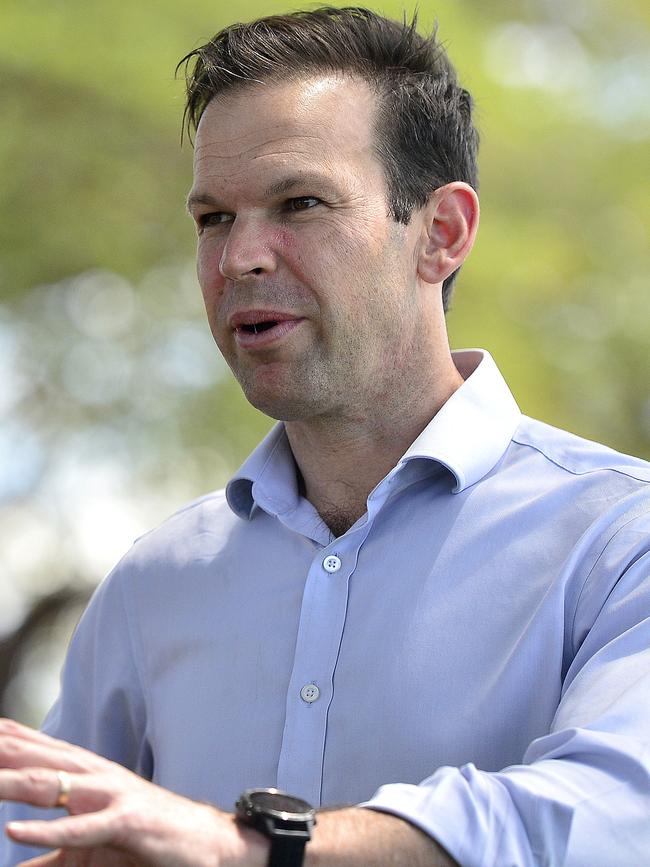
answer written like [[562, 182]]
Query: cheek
[[296, 253], [208, 257], [285, 242], [317, 258]]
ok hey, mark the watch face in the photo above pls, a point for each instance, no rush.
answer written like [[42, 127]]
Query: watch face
[[269, 800]]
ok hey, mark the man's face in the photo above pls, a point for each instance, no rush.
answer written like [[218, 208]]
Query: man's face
[[311, 289]]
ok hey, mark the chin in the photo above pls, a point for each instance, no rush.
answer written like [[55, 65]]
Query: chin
[[280, 408], [277, 398]]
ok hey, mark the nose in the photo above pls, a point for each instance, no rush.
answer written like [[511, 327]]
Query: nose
[[248, 251]]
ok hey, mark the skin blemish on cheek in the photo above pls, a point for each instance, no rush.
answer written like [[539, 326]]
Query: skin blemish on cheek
[[285, 240], [290, 250]]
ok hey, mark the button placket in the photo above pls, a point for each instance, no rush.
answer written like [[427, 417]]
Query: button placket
[[322, 621]]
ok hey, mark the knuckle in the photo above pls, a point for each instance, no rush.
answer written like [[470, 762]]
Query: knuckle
[[10, 747], [74, 833], [35, 784], [128, 818], [127, 822], [37, 776]]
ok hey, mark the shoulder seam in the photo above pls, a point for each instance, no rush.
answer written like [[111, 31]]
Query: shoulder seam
[[628, 473], [213, 495], [193, 504]]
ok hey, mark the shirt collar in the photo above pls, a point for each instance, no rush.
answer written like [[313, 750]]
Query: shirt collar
[[268, 477], [472, 430], [468, 435]]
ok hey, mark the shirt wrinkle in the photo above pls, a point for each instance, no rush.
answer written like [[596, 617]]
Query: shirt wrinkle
[[134, 636], [607, 544], [413, 665]]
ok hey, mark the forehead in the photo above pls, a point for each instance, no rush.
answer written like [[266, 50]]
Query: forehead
[[321, 122]]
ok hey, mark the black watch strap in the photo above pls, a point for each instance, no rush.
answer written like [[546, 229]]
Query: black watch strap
[[287, 852], [286, 821]]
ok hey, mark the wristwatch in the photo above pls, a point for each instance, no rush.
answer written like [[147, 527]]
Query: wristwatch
[[285, 820]]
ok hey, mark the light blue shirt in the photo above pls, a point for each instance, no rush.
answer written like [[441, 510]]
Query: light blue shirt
[[473, 654]]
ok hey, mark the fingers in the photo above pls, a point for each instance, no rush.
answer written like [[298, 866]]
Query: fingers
[[90, 830], [22, 747], [41, 787], [36, 786], [82, 858], [12, 728], [52, 859], [16, 754]]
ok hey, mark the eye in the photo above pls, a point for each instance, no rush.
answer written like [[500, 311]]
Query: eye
[[303, 203], [217, 218]]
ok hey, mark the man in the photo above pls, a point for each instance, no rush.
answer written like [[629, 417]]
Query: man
[[410, 598]]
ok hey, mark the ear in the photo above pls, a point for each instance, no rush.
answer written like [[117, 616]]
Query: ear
[[450, 224]]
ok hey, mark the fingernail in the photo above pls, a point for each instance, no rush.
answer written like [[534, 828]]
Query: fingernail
[[16, 827]]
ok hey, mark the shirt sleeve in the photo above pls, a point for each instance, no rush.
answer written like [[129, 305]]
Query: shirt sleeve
[[102, 701], [581, 795]]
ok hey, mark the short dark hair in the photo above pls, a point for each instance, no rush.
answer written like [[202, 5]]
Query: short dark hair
[[424, 134]]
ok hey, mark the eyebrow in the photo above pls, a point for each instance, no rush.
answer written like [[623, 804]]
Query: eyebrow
[[304, 179], [200, 199], [285, 185]]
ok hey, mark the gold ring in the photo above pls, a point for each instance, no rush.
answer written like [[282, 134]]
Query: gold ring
[[65, 786]]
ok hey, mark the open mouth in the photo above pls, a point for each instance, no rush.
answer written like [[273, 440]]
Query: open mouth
[[263, 332], [256, 327]]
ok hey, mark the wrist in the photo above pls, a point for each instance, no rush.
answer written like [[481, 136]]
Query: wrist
[[352, 836], [284, 820], [255, 847], [235, 845]]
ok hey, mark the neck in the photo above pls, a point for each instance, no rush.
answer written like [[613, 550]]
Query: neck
[[342, 457]]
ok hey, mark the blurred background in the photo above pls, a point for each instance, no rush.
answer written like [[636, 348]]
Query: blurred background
[[115, 407]]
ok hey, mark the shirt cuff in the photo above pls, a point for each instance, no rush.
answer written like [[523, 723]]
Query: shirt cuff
[[471, 814]]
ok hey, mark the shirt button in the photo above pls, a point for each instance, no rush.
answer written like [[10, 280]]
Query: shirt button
[[331, 563], [309, 692]]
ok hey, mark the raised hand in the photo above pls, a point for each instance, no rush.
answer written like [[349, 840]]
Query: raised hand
[[116, 819]]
